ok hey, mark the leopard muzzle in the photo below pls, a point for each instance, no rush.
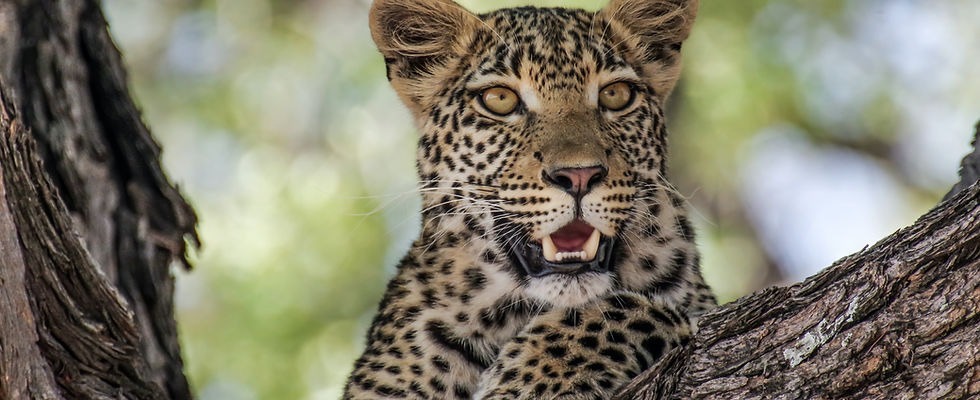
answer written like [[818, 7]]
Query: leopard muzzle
[[573, 249]]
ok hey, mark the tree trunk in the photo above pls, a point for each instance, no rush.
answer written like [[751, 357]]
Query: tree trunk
[[898, 320], [89, 224]]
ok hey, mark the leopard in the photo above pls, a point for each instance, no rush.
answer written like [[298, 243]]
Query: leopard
[[555, 260]]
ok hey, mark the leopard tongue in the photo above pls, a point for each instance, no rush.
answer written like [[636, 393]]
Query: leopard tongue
[[577, 241]]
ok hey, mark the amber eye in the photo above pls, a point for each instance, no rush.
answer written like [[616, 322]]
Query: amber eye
[[616, 96], [499, 100]]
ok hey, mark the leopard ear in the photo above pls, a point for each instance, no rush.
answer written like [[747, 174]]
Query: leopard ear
[[418, 38], [657, 22], [655, 30]]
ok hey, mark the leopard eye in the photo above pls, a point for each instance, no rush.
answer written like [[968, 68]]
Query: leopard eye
[[499, 100], [616, 96]]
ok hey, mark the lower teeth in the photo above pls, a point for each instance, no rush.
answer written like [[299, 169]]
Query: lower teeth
[[578, 255]]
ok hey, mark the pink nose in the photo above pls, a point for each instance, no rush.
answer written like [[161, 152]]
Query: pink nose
[[576, 181]]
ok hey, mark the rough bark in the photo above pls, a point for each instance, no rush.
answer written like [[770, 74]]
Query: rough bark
[[897, 320], [89, 223]]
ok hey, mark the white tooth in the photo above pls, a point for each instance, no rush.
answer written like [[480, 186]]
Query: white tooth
[[591, 246], [549, 249], [570, 255]]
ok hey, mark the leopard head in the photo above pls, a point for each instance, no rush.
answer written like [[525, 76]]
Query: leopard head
[[542, 133]]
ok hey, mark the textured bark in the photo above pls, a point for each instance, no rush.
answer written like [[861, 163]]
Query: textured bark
[[89, 223], [898, 320]]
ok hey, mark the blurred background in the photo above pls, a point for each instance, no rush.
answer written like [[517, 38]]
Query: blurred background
[[802, 131]]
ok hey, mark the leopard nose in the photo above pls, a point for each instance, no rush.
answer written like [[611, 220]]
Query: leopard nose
[[576, 181]]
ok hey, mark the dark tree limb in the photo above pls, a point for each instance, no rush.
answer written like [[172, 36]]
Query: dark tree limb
[[898, 320], [89, 223], [79, 327]]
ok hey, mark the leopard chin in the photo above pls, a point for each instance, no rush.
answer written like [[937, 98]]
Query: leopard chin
[[569, 290]]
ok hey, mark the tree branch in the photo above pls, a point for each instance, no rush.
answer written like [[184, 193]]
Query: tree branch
[[89, 224], [896, 320], [76, 330]]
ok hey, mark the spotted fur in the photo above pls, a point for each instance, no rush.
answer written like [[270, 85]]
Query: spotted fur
[[461, 319]]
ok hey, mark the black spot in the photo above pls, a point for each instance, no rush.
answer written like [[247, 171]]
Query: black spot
[[423, 277], [648, 264], [540, 388], [440, 333], [440, 363], [556, 351], [622, 302], [675, 277], [488, 257], [640, 325], [614, 315], [613, 354], [572, 318], [589, 342], [416, 388], [537, 330], [652, 230], [685, 229], [388, 391], [615, 337], [430, 298], [475, 279], [508, 375], [437, 384], [461, 392], [655, 346], [576, 361], [676, 200]]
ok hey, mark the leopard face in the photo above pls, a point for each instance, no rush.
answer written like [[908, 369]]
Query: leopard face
[[542, 137]]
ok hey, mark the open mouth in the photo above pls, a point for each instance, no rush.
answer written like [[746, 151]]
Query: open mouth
[[575, 248]]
